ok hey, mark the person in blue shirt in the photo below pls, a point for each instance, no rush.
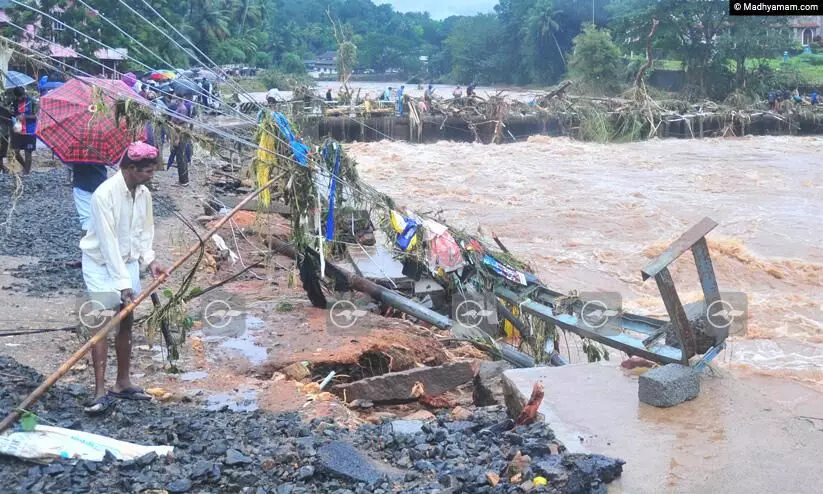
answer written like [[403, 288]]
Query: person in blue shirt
[[813, 96], [400, 100]]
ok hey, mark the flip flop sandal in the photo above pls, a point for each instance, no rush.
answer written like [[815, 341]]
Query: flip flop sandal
[[100, 405], [134, 394]]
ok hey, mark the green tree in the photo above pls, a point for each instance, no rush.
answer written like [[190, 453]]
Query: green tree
[[472, 48], [539, 31], [688, 30], [292, 64], [750, 38], [595, 60]]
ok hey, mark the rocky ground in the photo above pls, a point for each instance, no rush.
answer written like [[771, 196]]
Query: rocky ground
[[257, 451], [223, 451], [42, 222]]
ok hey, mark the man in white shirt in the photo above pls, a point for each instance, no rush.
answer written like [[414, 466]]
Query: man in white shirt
[[120, 236]]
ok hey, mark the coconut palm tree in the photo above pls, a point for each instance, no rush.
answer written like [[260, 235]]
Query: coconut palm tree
[[541, 24]]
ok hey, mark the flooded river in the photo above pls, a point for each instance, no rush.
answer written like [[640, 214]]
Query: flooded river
[[590, 216]]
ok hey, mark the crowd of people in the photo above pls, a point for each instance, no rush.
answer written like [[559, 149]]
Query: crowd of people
[[18, 125], [777, 97]]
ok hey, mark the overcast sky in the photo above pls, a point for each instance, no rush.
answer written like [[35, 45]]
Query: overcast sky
[[440, 9]]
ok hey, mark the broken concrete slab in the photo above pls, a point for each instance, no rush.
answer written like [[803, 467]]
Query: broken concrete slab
[[397, 386], [343, 460], [488, 383], [377, 263], [669, 386]]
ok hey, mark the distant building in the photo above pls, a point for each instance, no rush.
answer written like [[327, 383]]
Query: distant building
[[32, 40], [322, 65], [110, 58], [806, 27]]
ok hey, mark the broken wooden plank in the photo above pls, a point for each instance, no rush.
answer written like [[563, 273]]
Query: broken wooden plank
[[397, 386]]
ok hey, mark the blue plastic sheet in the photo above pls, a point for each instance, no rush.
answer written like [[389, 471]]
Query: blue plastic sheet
[[300, 150], [332, 188]]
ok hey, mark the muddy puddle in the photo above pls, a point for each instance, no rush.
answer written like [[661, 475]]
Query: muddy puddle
[[240, 401], [589, 217], [237, 338]]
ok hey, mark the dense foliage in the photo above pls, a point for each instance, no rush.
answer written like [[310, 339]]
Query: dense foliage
[[595, 60], [521, 42]]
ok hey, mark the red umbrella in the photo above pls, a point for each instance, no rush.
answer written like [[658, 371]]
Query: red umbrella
[[73, 127]]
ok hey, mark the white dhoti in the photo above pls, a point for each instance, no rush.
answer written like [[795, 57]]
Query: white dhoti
[[100, 285], [82, 202]]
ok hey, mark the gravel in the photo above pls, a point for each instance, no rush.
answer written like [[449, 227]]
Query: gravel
[[44, 225], [257, 452]]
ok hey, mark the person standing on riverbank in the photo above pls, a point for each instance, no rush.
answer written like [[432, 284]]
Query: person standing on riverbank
[[400, 100], [181, 147], [119, 240]]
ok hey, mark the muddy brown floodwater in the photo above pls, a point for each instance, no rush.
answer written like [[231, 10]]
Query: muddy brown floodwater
[[589, 217]]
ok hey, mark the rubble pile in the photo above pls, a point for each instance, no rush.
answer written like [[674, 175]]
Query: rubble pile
[[261, 452]]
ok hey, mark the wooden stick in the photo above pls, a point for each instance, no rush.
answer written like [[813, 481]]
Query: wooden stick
[[499, 243], [115, 322]]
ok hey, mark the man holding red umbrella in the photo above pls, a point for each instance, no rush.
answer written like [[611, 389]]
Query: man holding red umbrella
[[83, 135], [118, 242]]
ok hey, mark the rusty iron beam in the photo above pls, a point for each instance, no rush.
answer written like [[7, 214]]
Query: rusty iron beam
[[678, 247], [659, 353], [708, 281]]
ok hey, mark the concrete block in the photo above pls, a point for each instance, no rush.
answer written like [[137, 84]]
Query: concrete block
[[397, 386], [669, 385], [488, 384]]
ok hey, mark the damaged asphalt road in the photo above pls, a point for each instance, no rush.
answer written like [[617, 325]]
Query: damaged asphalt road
[[262, 452], [43, 223]]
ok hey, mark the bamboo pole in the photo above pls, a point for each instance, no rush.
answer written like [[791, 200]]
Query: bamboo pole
[[114, 322]]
